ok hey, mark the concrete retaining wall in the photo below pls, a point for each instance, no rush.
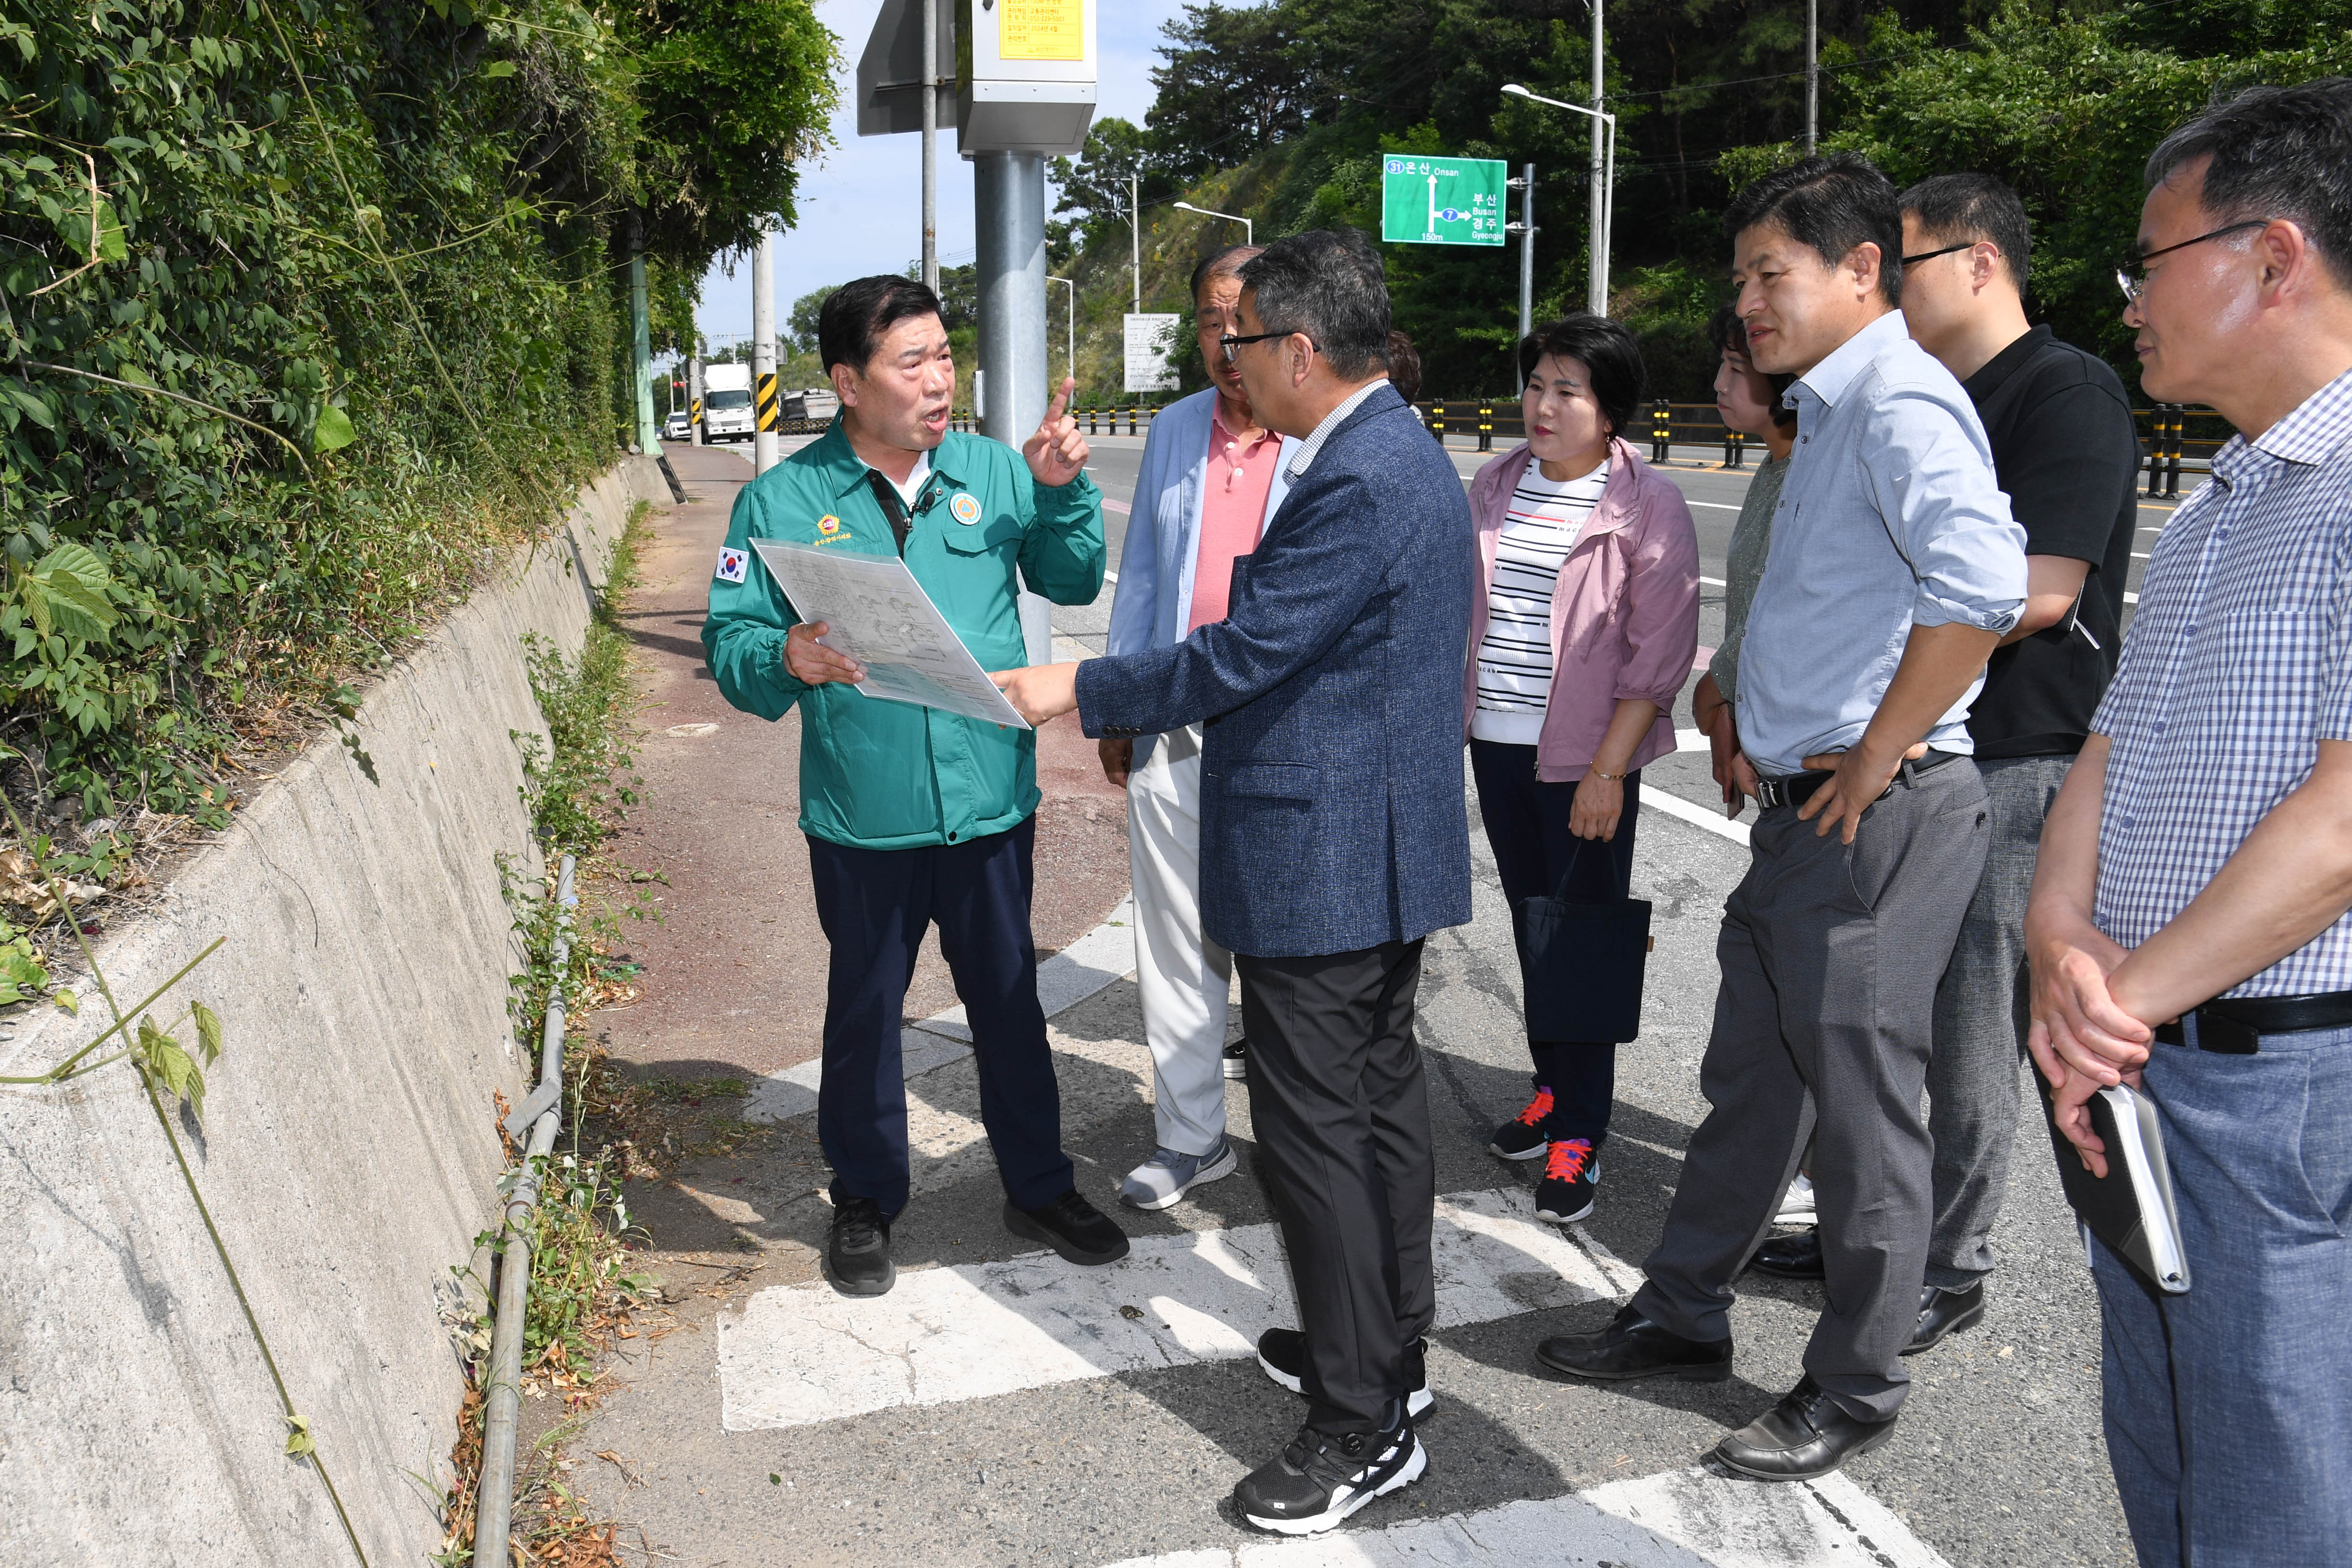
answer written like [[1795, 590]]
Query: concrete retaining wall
[[348, 1150]]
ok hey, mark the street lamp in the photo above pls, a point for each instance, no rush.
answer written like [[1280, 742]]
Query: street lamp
[[1073, 287], [1249, 229], [1605, 199]]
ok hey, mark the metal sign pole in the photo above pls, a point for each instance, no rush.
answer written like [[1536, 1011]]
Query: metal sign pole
[[1597, 294], [763, 355], [930, 145], [1526, 268], [1009, 192]]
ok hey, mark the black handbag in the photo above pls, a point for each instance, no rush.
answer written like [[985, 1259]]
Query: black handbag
[[1583, 962]]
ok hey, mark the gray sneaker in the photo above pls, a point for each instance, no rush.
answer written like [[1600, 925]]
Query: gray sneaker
[[1162, 1181]]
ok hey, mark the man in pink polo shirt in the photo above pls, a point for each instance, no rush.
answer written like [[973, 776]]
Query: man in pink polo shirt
[[1211, 476]]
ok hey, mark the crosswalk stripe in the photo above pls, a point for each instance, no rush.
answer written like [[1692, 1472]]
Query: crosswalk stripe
[[1681, 1518], [800, 1354]]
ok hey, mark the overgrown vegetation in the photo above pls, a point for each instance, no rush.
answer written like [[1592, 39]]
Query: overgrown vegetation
[[310, 309]]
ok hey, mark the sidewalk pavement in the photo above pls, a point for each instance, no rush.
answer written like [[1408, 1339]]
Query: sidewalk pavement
[[1002, 1407]]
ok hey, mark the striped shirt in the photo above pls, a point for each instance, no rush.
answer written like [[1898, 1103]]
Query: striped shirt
[[1515, 661], [2237, 665]]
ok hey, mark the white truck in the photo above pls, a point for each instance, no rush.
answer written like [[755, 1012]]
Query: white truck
[[727, 403]]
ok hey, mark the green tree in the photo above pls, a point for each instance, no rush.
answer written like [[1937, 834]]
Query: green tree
[[800, 328]]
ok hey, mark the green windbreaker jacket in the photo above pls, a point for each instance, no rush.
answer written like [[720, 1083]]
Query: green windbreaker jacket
[[874, 774]]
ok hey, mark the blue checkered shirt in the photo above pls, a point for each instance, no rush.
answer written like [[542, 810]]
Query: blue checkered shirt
[[2237, 665]]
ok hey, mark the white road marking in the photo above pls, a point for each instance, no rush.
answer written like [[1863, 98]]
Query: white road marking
[[1717, 505], [800, 1354], [1680, 1519], [1102, 955], [1715, 582], [1700, 816]]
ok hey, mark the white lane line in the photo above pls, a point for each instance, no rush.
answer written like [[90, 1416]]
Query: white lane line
[[1715, 582], [1698, 816], [1679, 1519], [2131, 598], [1104, 954], [1717, 505], [800, 1354]]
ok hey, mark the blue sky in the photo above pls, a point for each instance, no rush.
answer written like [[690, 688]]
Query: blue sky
[[861, 209]]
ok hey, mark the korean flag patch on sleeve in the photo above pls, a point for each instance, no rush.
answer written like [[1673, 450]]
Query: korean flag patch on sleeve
[[734, 564]]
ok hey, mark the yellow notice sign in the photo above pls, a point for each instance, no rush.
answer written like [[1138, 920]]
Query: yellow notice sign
[[1041, 30]]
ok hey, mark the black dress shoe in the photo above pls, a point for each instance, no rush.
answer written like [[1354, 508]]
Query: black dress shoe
[[1281, 1356], [1796, 1257], [1071, 1226], [1321, 1477], [1804, 1436], [1633, 1346], [1942, 1313], [858, 1257]]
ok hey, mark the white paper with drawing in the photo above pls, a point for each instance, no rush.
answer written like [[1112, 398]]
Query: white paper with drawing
[[879, 614]]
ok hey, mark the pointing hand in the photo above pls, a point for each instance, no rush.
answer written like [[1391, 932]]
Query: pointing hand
[[1057, 453]]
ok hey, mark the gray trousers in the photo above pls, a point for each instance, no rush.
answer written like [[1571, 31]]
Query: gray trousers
[[1830, 954], [1982, 1010]]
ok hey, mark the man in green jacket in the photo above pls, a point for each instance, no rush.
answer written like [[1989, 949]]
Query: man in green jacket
[[915, 815]]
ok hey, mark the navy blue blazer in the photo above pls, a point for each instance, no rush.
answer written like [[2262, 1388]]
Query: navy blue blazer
[[1331, 795]]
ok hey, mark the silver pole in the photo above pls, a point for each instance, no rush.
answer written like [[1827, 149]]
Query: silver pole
[[930, 147], [1526, 268], [694, 396], [1009, 196], [763, 344], [1135, 240], [1597, 294], [1813, 74]]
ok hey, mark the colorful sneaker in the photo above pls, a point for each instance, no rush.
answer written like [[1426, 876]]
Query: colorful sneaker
[[1521, 1138], [1570, 1174]]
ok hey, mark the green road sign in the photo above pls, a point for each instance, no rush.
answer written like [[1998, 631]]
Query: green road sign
[[1443, 201]]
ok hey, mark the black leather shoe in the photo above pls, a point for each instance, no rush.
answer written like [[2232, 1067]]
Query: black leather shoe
[[1071, 1226], [1281, 1356], [858, 1257], [1796, 1257], [1804, 1436], [1942, 1313], [1321, 1477], [1633, 1346]]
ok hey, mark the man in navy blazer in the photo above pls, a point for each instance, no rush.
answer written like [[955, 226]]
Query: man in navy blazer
[[1333, 840]]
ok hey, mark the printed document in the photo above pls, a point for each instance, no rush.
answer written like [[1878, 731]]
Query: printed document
[[879, 614]]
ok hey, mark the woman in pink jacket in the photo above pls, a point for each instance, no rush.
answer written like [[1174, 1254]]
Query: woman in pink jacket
[[1584, 626]]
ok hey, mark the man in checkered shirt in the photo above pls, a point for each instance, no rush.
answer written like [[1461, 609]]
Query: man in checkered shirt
[[2188, 929]]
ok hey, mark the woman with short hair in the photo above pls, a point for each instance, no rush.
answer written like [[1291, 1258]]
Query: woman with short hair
[[1584, 626]]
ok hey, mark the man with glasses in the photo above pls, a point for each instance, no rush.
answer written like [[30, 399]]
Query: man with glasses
[[1211, 476], [1893, 571], [2188, 929], [2066, 454], [1334, 839]]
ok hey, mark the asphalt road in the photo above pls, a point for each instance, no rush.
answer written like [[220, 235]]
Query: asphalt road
[[985, 1412]]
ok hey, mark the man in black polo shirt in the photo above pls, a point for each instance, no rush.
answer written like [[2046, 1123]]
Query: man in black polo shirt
[[2064, 451]]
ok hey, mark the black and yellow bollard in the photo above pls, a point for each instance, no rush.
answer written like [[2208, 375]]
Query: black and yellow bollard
[[1485, 426], [1661, 431], [764, 405], [1437, 422], [1735, 448]]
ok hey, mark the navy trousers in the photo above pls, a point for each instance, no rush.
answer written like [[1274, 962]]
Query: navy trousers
[[873, 906], [1527, 828]]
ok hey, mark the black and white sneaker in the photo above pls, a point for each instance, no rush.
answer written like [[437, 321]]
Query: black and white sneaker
[[1522, 1138], [1281, 1356], [1236, 1059], [1321, 1477], [1571, 1171]]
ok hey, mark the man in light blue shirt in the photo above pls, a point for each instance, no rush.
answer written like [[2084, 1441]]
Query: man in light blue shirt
[[1895, 568]]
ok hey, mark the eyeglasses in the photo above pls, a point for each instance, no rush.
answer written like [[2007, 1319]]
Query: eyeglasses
[[2132, 276], [1931, 255], [1229, 342]]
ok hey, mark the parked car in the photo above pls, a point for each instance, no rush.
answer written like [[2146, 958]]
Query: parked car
[[727, 403], [680, 426]]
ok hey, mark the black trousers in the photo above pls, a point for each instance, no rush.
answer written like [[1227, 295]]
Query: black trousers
[[1535, 854], [873, 906], [1341, 1113]]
